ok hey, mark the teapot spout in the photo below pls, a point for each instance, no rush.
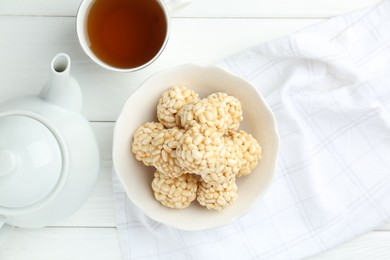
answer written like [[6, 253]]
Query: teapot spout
[[62, 89]]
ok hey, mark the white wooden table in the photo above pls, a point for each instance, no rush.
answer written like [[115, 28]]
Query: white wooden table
[[33, 31]]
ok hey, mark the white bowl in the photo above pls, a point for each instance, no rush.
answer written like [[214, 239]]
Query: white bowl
[[141, 108]]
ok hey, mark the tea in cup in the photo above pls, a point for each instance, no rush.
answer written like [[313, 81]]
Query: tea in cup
[[123, 35]]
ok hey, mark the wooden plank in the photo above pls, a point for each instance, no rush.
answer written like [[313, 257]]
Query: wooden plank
[[205, 8], [29, 43], [103, 133], [102, 243], [374, 245], [39, 7], [61, 244]]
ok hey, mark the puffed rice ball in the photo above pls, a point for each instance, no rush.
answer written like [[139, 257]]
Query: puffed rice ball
[[233, 160], [216, 199], [250, 149], [201, 150], [171, 102], [219, 181], [163, 152], [142, 140], [209, 112], [233, 109], [177, 193], [233, 156]]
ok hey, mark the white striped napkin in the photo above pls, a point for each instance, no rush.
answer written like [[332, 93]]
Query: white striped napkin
[[329, 87]]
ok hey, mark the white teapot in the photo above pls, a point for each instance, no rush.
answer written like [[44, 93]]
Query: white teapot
[[49, 158]]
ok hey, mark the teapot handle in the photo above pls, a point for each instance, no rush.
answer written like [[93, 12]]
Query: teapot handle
[[174, 5], [5, 230]]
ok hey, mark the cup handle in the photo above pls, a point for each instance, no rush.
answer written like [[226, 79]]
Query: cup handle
[[5, 230], [175, 5]]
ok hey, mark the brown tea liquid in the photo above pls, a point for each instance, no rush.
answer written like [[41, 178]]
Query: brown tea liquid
[[126, 33]]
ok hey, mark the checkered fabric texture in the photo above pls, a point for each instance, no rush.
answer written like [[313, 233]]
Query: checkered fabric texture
[[329, 87]]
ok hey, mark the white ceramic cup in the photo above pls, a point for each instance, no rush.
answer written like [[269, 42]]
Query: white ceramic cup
[[81, 25]]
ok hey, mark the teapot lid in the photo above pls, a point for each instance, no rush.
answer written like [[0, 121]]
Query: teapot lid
[[30, 161]]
